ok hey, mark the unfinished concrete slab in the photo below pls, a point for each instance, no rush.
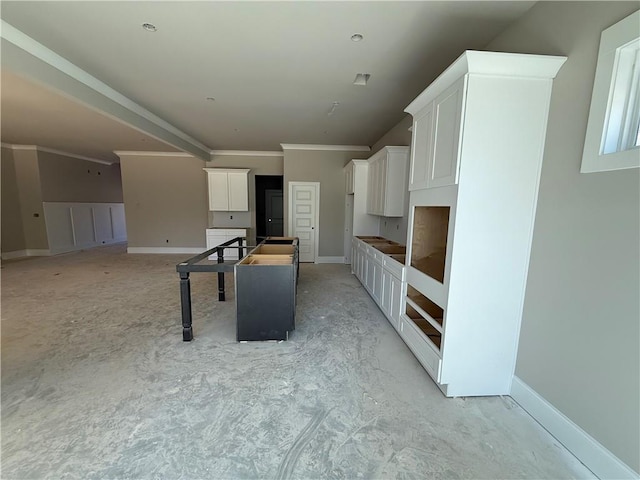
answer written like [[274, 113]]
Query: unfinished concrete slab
[[97, 383]]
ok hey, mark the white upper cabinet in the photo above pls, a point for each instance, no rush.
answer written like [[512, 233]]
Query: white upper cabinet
[[421, 148], [447, 107], [387, 182], [228, 189], [349, 179], [436, 139]]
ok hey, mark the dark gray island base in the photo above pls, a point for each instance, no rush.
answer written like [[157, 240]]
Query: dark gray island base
[[266, 283]]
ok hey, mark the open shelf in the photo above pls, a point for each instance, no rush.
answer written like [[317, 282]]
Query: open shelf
[[425, 314], [429, 241]]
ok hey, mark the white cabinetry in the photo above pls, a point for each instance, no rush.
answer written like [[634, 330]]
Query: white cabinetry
[[357, 220], [348, 178], [382, 276], [478, 140], [228, 189], [436, 140], [386, 186], [216, 236]]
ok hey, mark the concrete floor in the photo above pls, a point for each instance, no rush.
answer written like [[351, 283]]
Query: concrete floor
[[97, 383]]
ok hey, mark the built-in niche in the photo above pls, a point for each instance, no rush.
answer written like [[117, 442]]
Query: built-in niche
[[427, 316], [429, 243]]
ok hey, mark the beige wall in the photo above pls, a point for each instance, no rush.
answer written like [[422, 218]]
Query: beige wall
[[12, 229], [30, 196], [165, 198], [325, 167], [396, 228], [66, 179], [259, 166], [580, 339]]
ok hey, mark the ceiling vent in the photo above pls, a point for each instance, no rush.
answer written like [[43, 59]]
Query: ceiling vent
[[361, 79]]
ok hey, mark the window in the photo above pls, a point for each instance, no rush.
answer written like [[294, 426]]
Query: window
[[613, 130]]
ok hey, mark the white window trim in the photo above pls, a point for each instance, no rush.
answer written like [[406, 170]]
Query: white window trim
[[593, 160]]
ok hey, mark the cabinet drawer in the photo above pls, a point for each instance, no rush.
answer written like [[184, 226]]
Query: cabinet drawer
[[394, 267], [421, 348], [376, 254]]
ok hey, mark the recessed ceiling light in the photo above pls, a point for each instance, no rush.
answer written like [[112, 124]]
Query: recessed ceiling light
[[149, 27], [356, 37], [361, 78]]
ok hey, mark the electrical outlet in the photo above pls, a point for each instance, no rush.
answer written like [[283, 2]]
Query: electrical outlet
[[230, 217]]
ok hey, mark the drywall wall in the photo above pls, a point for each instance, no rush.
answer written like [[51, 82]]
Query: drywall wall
[[165, 200], [30, 196], [67, 179], [326, 167], [259, 165], [12, 229], [580, 339], [396, 228]]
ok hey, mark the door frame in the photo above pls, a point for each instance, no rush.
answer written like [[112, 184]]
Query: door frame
[[316, 216], [266, 219]]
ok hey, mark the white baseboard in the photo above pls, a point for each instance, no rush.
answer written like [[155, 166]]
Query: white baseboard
[[167, 250], [31, 252], [582, 445], [330, 260]]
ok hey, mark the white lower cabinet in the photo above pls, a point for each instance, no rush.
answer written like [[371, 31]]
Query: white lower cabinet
[[216, 236], [382, 276], [424, 351]]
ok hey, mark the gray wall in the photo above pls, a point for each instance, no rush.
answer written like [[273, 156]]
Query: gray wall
[[325, 167], [165, 198], [579, 344], [259, 166], [396, 228], [12, 229], [30, 197], [66, 179]]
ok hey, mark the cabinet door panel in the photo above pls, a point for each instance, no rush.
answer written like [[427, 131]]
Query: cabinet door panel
[[348, 179], [396, 301], [382, 185], [238, 188], [218, 192], [421, 149], [377, 282], [448, 113], [385, 303]]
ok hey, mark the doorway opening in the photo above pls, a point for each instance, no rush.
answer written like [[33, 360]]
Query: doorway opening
[[269, 207]]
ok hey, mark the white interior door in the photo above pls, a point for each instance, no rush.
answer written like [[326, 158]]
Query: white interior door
[[303, 217]]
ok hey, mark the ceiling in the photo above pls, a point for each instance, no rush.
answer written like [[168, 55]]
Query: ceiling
[[272, 71]]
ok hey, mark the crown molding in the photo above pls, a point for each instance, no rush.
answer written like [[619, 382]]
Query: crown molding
[[32, 59], [55, 152], [138, 153], [248, 153], [341, 148]]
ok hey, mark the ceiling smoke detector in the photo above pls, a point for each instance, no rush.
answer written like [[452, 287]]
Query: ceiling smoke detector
[[149, 27], [361, 79], [356, 37]]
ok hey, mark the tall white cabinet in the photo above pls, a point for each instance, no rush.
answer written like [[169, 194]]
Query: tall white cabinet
[[477, 147]]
